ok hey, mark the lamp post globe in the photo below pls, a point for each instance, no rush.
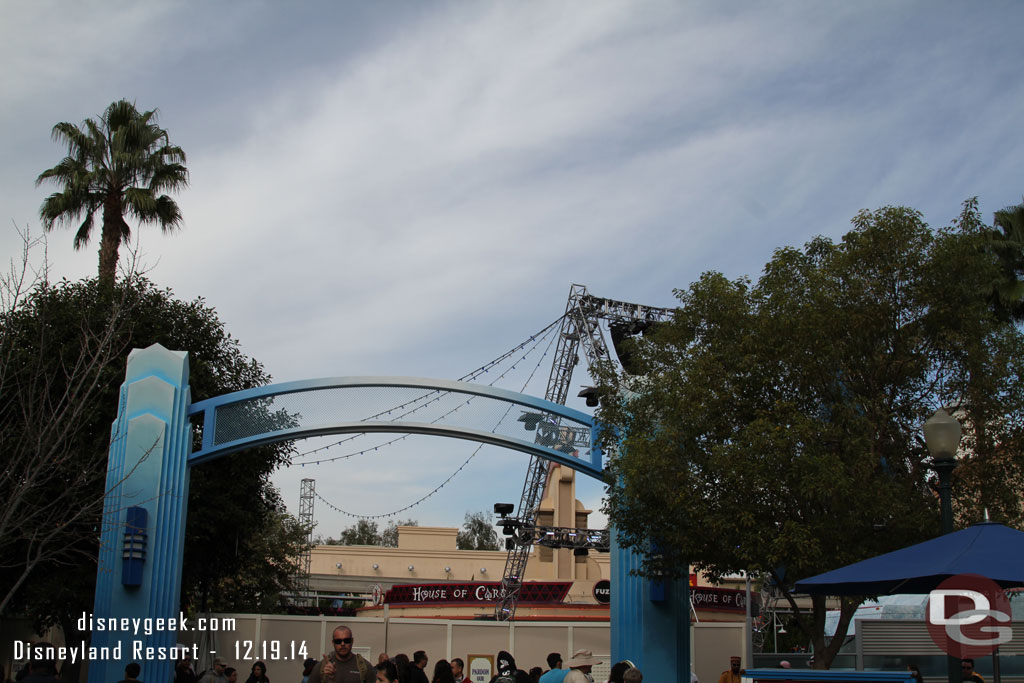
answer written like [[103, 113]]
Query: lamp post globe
[[942, 436]]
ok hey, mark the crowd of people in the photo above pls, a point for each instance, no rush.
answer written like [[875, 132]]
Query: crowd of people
[[343, 665]]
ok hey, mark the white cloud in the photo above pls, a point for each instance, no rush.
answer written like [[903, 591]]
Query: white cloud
[[389, 190]]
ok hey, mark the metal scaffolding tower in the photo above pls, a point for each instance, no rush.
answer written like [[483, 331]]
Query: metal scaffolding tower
[[580, 327], [307, 495]]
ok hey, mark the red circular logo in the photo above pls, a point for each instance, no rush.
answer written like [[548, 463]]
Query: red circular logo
[[968, 616]]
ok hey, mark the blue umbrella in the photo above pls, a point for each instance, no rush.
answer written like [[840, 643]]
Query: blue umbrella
[[988, 549]]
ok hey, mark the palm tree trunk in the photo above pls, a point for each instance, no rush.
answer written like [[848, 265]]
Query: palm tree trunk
[[110, 241]]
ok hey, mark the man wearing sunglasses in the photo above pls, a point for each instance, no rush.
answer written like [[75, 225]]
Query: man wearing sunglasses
[[967, 672], [343, 665]]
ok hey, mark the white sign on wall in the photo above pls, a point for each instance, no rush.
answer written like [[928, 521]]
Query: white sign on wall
[[480, 668]]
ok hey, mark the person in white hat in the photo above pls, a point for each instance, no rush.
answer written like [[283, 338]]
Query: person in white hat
[[579, 667]]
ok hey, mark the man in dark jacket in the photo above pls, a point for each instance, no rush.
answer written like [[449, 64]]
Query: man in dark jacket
[[343, 665], [419, 663], [506, 668], [183, 672], [42, 666], [131, 673]]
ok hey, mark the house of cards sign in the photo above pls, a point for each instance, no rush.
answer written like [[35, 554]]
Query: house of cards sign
[[718, 599]]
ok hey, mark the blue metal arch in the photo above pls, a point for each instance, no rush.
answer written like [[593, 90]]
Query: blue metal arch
[[591, 466]]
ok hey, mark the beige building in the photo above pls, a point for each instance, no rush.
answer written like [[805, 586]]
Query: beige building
[[428, 555]]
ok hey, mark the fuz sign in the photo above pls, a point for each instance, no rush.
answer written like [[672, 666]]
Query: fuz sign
[[964, 613]]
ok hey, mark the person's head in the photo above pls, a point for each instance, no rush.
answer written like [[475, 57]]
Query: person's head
[[219, 666], [258, 669], [555, 660], [633, 676], [404, 666], [584, 660], [443, 672], [231, 673], [41, 659], [185, 662], [307, 666], [387, 672], [619, 668], [966, 667], [506, 663], [419, 658], [132, 670], [383, 657], [734, 664], [915, 670], [342, 639], [535, 673], [458, 666]]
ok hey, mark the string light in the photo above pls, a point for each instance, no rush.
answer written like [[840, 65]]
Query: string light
[[538, 337], [453, 474]]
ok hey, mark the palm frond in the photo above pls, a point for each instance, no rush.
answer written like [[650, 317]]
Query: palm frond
[[141, 203], [84, 231], [168, 213], [65, 207], [168, 177]]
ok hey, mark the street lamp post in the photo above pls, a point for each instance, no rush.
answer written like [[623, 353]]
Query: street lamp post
[[942, 436]]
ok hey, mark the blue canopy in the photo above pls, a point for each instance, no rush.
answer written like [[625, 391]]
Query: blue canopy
[[988, 549]]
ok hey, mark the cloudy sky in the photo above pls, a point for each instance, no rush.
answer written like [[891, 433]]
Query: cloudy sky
[[410, 188]]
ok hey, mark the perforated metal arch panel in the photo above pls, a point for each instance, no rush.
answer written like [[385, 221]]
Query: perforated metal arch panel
[[348, 405]]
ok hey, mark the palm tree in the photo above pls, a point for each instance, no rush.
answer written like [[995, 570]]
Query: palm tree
[[120, 163], [1007, 240]]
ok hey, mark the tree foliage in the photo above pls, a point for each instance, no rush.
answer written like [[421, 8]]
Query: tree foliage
[[120, 164], [64, 348], [389, 537], [477, 532], [777, 425], [363, 532], [1007, 244], [367, 532], [53, 362]]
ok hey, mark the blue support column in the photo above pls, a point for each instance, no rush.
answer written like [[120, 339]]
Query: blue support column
[[147, 484], [650, 624]]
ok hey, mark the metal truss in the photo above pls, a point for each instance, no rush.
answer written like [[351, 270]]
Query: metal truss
[[558, 536], [580, 327], [307, 496]]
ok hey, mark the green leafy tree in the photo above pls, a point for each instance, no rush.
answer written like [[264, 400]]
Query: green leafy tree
[[363, 532], [235, 513], [776, 426], [274, 562], [120, 164], [1007, 243], [53, 361], [477, 532], [389, 537]]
